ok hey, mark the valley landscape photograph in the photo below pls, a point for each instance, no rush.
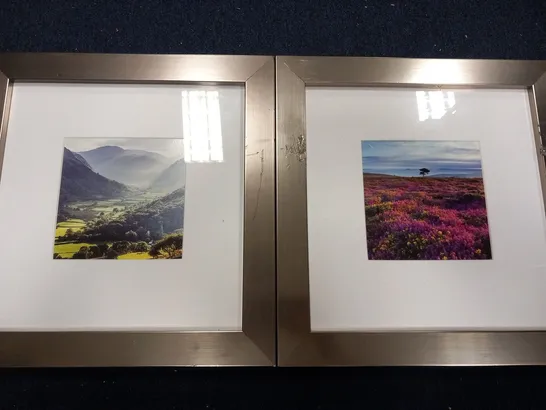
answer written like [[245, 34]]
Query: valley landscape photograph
[[121, 199], [424, 200]]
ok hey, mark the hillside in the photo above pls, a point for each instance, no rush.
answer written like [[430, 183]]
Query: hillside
[[82, 160], [426, 218], [99, 155], [131, 167], [147, 222], [171, 178], [80, 182], [164, 215]]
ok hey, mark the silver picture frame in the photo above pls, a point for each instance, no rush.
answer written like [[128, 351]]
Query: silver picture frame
[[255, 344], [297, 344]]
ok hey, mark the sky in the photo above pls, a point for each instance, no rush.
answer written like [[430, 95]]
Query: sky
[[405, 158], [169, 147]]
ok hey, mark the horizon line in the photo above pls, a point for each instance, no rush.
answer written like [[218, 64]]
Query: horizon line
[[421, 176]]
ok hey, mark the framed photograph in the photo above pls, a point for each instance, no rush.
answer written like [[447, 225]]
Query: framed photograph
[[410, 218], [137, 201]]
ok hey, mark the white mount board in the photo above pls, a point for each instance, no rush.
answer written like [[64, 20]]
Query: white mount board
[[202, 291], [351, 293]]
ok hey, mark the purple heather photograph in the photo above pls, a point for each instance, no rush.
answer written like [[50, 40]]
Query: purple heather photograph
[[424, 200]]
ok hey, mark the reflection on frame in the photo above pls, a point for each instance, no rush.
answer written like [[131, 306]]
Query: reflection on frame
[[435, 104]]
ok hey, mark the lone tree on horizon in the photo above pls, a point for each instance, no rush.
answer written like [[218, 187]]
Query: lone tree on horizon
[[424, 171]]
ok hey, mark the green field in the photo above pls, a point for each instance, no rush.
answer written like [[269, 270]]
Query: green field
[[135, 255], [66, 250], [74, 224], [85, 218], [107, 208]]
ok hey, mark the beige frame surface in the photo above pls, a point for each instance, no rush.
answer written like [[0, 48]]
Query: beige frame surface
[[255, 344], [297, 345]]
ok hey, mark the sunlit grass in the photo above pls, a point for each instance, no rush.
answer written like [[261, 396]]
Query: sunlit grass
[[66, 250], [74, 224], [135, 255]]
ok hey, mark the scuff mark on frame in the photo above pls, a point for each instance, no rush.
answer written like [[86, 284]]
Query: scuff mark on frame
[[298, 149], [262, 159]]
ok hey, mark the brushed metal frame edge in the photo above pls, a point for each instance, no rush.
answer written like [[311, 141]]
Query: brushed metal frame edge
[[297, 345], [255, 345]]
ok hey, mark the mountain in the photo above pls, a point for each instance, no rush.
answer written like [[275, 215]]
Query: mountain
[[131, 167], [376, 175], [171, 178], [80, 182], [82, 160], [164, 215], [99, 155], [150, 221], [472, 174]]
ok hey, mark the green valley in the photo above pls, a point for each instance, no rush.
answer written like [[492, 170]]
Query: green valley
[[100, 218]]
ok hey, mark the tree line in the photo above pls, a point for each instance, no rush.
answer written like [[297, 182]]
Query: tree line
[[170, 247]]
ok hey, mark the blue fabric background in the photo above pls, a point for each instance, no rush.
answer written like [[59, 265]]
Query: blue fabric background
[[513, 29]]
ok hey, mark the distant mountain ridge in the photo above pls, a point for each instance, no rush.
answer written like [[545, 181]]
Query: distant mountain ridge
[[80, 182], [475, 174], [130, 167], [101, 154], [171, 178]]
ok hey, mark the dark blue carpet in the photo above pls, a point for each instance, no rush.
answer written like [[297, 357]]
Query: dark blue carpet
[[512, 29]]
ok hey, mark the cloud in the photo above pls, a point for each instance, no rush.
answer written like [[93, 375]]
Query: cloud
[[404, 157]]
